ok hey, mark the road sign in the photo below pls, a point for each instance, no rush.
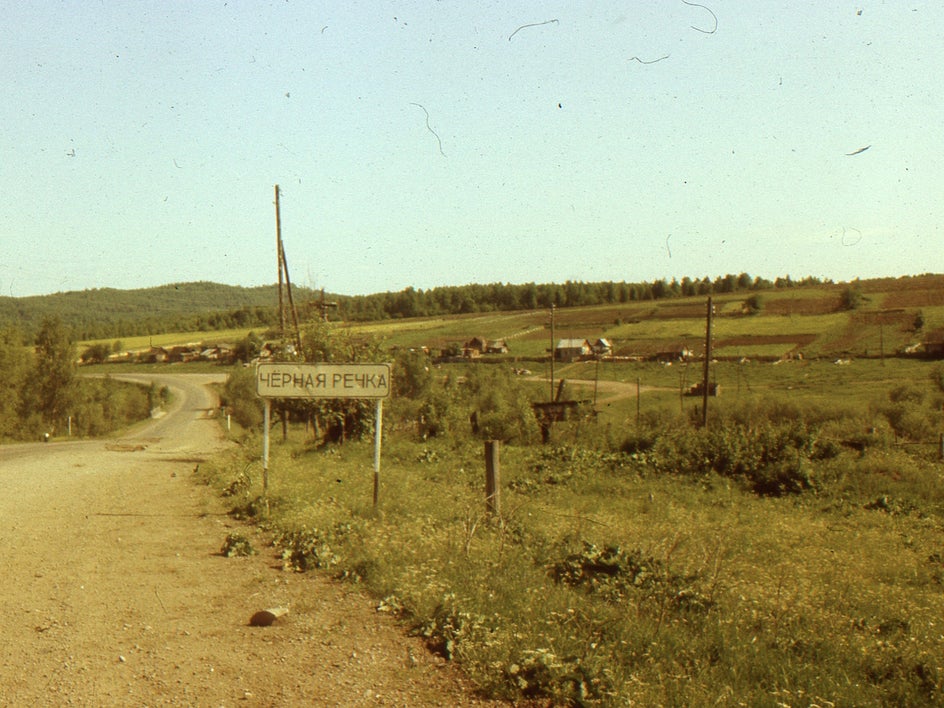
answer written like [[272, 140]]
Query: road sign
[[287, 380]]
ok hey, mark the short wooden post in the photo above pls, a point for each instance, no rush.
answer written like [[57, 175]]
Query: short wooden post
[[492, 476]]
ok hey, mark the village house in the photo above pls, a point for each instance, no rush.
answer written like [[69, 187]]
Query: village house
[[154, 355], [474, 346], [184, 353], [571, 349], [496, 346], [602, 347]]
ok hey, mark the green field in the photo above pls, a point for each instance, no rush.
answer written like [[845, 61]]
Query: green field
[[789, 553]]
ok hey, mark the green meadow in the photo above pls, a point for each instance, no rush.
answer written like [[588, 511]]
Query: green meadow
[[789, 553]]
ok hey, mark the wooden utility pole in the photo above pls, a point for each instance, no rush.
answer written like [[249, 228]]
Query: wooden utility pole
[[285, 283], [291, 300], [553, 353], [278, 246], [881, 337], [704, 405], [493, 476]]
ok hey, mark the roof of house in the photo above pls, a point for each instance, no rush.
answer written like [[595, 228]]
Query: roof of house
[[572, 344]]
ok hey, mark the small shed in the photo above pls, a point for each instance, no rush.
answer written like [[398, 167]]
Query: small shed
[[699, 389], [679, 353]]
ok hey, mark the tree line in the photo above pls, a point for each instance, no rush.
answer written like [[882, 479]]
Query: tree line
[[475, 298]]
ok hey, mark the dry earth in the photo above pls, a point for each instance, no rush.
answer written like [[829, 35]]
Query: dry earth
[[115, 592]]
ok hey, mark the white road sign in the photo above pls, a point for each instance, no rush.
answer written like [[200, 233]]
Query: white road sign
[[286, 380]]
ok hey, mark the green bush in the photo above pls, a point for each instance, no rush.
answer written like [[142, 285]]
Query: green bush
[[239, 397], [502, 405], [766, 457]]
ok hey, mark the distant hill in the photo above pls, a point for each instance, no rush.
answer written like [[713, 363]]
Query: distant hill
[[108, 312]]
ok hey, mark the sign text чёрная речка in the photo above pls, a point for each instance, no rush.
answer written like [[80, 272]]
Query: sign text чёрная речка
[[287, 380]]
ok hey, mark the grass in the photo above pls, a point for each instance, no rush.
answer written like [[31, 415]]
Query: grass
[[614, 578]]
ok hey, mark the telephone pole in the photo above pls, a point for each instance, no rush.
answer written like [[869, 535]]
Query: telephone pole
[[278, 248], [704, 383], [285, 283], [552, 353]]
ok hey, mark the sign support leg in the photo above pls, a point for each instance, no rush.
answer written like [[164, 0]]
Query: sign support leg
[[266, 417], [378, 432]]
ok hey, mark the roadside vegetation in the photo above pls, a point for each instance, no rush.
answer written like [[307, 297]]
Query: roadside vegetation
[[41, 395], [788, 553]]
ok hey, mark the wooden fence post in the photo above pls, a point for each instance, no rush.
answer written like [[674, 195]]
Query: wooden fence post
[[492, 476]]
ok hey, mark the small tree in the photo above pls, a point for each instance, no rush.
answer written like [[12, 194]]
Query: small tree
[[852, 298], [239, 397], [501, 405], [96, 354], [14, 367], [55, 369], [754, 304], [411, 374], [248, 348]]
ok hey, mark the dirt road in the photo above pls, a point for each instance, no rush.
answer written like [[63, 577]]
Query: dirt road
[[115, 593]]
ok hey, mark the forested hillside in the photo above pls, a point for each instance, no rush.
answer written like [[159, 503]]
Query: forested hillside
[[107, 312]]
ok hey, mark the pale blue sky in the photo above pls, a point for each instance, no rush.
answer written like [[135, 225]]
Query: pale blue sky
[[140, 141]]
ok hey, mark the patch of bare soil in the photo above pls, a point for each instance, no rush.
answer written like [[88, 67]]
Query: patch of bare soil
[[801, 306], [115, 591]]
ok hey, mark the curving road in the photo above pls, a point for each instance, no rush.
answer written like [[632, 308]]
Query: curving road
[[115, 593]]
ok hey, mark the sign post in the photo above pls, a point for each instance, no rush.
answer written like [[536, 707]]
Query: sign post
[[323, 381], [378, 427]]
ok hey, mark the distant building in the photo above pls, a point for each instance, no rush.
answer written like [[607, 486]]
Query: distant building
[[475, 347], [699, 389], [934, 349], [496, 346], [571, 349], [679, 353], [154, 355], [602, 347]]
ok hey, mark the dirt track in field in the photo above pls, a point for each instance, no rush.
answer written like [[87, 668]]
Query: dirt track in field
[[115, 593]]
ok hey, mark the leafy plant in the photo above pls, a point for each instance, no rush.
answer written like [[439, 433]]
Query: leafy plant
[[236, 544]]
